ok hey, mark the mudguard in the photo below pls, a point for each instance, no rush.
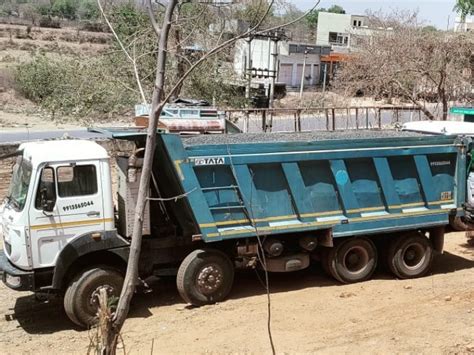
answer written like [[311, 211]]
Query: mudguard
[[86, 244]]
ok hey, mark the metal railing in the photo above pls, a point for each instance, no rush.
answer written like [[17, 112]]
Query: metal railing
[[322, 118]]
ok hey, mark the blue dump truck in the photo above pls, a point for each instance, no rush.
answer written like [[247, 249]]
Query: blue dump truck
[[349, 200]]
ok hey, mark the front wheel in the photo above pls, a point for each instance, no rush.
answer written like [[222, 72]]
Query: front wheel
[[81, 298], [205, 277], [410, 256]]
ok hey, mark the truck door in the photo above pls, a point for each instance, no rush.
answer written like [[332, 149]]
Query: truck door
[[68, 203]]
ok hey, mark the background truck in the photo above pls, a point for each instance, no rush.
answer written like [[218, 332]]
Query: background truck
[[218, 202]]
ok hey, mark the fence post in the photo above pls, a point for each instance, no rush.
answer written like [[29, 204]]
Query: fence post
[[333, 119], [326, 112], [357, 118], [264, 120], [348, 112], [299, 120], [367, 117], [380, 118]]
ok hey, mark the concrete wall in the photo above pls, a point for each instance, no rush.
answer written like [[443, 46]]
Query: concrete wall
[[329, 22]]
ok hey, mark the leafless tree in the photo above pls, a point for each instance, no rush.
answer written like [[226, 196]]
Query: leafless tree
[[397, 57], [170, 17]]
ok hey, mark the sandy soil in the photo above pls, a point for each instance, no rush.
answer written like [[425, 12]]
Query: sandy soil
[[311, 314]]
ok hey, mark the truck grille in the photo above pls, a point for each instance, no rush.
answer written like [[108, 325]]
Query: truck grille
[[8, 248]]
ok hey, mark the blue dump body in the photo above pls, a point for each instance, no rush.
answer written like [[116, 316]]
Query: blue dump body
[[376, 183]]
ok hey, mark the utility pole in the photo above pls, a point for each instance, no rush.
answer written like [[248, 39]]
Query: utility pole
[[324, 77], [274, 71], [303, 76], [248, 86]]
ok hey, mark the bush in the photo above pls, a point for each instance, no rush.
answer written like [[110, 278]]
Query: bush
[[92, 26], [73, 87], [49, 22], [88, 10], [65, 9]]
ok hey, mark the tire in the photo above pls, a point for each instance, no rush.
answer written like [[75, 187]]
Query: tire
[[80, 303], [204, 277], [459, 224], [410, 256], [353, 260]]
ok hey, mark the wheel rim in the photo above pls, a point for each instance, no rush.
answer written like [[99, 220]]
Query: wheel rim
[[355, 259], [94, 298], [413, 256], [209, 279]]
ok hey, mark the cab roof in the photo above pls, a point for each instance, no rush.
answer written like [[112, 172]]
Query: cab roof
[[62, 151]]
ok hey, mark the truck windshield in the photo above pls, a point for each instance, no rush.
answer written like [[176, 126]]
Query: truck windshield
[[18, 189]]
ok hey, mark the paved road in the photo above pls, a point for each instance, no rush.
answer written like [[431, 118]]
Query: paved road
[[24, 135]]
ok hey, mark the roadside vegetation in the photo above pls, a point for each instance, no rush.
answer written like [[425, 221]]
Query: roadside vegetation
[[418, 65]]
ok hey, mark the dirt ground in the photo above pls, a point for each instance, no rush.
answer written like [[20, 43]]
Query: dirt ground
[[310, 314]]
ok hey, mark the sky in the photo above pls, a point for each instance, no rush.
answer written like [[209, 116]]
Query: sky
[[434, 12]]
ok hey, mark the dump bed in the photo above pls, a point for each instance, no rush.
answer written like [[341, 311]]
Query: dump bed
[[354, 183]]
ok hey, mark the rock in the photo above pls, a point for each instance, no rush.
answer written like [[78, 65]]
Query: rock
[[407, 287], [346, 294], [470, 348], [448, 298]]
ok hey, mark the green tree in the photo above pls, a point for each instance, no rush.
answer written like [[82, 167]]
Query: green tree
[[429, 28], [65, 9], [312, 18], [253, 11], [88, 10], [464, 8]]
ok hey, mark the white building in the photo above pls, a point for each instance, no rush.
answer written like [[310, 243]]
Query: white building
[[289, 64], [464, 26], [340, 30]]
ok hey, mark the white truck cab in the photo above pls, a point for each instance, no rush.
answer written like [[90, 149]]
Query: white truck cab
[[59, 206]]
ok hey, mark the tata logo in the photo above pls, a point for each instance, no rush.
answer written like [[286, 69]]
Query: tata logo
[[209, 161]]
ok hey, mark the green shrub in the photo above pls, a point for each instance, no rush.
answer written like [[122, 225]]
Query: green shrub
[[74, 86], [49, 22], [93, 26], [88, 10]]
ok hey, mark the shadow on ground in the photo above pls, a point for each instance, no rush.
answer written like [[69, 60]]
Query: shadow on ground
[[42, 318]]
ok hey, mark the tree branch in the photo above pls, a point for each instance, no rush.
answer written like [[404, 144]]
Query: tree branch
[[132, 60], [151, 15], [227, 43]]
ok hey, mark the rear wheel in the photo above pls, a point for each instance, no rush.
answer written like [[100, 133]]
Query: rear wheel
[[81, 297], [410, 256], [352, 260], [460, 224], [205, 277]]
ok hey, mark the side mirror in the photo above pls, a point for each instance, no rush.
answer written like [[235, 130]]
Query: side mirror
[[47, 202]]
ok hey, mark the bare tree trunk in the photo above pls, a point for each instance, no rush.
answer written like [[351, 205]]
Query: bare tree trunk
[[410, 97], [158, 101], [442, 92], [131, 276]]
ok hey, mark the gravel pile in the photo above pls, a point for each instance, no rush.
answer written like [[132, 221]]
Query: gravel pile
[[244, 138]]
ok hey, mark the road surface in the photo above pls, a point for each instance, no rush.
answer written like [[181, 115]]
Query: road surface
[[25, 135]]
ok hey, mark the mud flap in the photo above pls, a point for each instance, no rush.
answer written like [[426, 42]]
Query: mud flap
[[437, 238]]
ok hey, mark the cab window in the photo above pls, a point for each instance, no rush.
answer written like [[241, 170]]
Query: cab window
[[79, 180], [46, 189]]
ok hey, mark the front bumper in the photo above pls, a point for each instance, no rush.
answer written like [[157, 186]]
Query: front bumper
[[15, 278]]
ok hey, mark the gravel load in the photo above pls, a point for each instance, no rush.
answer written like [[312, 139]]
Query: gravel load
[[245, 138]]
